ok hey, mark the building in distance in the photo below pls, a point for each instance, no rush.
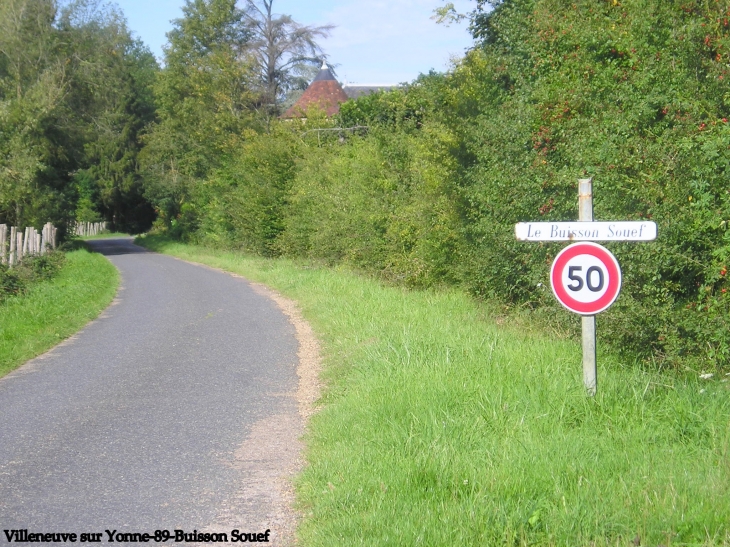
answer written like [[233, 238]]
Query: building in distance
[[326, 93], [354, 91]]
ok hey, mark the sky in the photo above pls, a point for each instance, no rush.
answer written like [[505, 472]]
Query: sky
[[374, 42]]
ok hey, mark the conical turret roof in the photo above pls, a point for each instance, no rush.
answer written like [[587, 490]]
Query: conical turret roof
[[324, 74], [324, 92]]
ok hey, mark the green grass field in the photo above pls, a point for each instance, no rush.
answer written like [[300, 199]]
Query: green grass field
[[55, 309], [441, 427]]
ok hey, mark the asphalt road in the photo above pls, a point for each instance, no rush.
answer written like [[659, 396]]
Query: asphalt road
[[135, 423]]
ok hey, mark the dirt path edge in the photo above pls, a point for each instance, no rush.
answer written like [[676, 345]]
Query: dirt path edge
[[310, 361], [272, 454]]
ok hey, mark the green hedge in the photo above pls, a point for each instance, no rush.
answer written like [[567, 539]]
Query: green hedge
[[633, 93]]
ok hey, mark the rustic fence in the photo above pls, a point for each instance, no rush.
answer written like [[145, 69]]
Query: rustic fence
[[85, 229], [16, 243]]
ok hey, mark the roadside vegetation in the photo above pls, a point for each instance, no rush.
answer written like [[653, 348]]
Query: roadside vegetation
[[107, 235], [75, 96], [33, 269], [422, 186], [39, 310], [442, 426]]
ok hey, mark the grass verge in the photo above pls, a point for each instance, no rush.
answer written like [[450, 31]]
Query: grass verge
[[105, 235], [55, 309], [441, 427]]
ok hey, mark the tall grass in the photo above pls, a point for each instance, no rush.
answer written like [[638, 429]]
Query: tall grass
[[55, 309], [441, 427]]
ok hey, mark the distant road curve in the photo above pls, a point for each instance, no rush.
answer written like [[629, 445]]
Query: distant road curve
[[175, 410]]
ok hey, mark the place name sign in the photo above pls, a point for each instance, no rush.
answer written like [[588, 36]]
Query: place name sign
[[586, 231]]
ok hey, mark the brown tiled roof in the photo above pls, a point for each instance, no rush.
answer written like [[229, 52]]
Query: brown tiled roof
[[324, 92]]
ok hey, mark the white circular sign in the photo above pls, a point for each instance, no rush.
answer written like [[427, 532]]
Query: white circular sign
[[585, 278]]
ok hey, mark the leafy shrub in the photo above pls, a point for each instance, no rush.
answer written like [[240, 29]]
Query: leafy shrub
[[243, 203], [32, 269], [630, 92], [379, 203], [10, 283], [633, 94]]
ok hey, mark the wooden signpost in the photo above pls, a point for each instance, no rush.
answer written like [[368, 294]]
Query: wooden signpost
[[586, 277]]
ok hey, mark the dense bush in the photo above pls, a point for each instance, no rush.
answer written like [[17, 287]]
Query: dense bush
[[634, 94], [242, 204], [32, 269], [379, 203], [428, 188]]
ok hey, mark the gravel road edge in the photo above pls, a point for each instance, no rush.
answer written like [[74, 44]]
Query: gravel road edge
[[273, 451]]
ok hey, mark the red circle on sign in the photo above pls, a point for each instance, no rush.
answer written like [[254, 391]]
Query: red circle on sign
[[613, 272]]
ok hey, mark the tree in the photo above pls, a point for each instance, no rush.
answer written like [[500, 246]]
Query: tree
[[74, 97], [31, 88], [112, 98], [204, 103], [284, 51]]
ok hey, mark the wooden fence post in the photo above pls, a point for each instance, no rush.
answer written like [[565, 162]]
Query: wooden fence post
[[18, 245], [26, 242], [13, 244], [3, 239]]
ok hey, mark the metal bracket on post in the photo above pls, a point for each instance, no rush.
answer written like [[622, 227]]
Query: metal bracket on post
[[588, 322]]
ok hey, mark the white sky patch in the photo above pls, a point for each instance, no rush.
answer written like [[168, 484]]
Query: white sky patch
[[376, 41], [391, 42]]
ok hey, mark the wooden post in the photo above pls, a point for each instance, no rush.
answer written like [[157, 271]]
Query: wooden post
[[19, 245], [13, 243], [38, 241], [3, 239], [588, 322]]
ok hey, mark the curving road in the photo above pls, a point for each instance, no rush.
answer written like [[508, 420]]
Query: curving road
[[158, 415]]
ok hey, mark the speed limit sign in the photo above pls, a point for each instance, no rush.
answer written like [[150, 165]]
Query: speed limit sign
[[586, 278]]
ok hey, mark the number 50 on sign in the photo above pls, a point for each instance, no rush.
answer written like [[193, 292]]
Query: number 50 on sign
[[585, 278]]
